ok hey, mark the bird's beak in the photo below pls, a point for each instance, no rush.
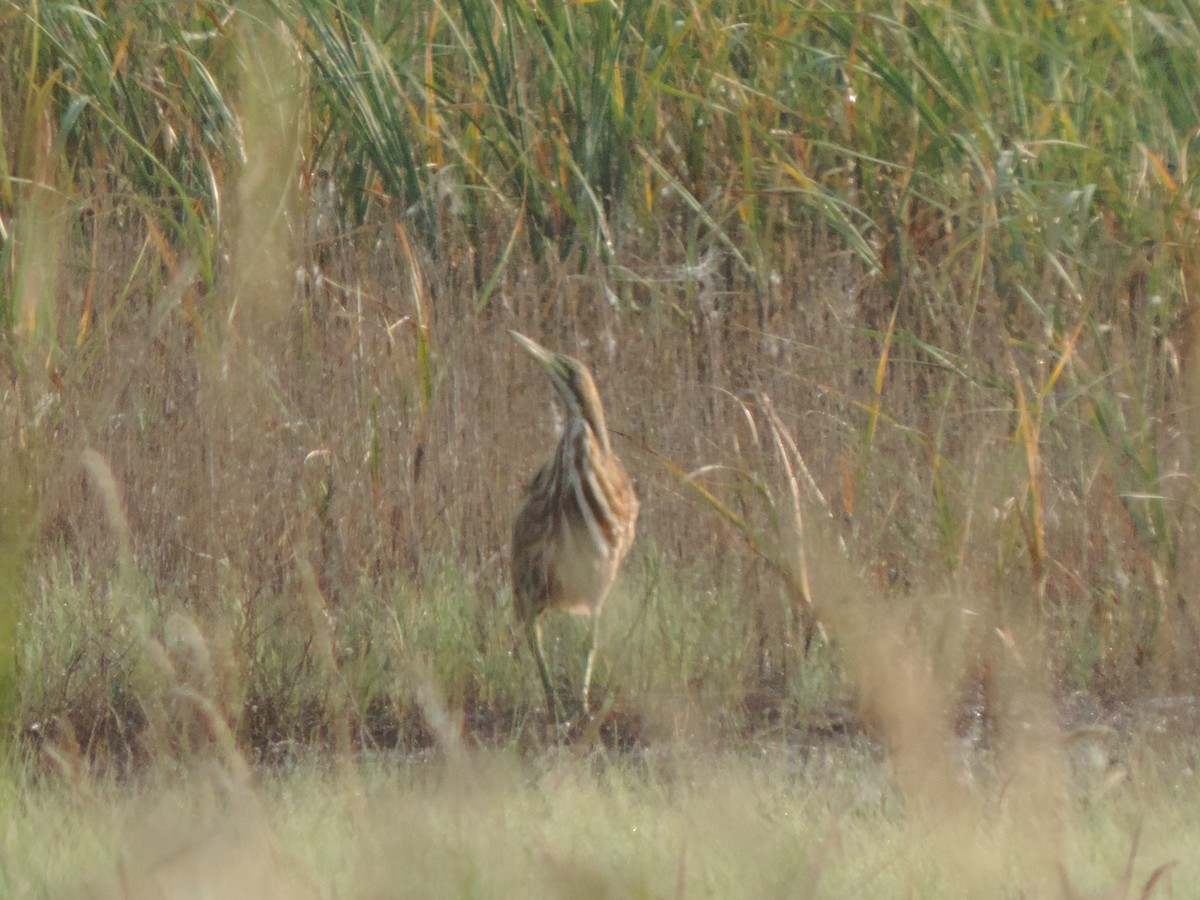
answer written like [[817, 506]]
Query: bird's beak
[[537, 351]]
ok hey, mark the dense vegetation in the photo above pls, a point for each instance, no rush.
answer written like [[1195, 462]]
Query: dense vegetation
[[890, 303]]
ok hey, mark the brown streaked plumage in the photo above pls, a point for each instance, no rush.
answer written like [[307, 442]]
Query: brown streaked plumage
[[578, 518]]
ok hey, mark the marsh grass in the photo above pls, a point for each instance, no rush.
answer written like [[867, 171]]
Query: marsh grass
[[822, 822], [977, 418], [892, 312]]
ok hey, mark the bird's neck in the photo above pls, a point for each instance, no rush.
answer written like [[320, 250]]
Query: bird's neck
[[598, 432], [579, 443]]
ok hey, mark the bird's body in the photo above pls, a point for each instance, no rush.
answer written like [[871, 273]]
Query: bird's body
[[578, 518]]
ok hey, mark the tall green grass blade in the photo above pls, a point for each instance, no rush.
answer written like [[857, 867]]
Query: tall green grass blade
[[366, 83]]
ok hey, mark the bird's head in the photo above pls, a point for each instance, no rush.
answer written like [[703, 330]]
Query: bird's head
[[573, 384]]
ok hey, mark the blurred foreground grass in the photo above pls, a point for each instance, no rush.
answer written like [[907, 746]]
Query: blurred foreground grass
[[800, 822]]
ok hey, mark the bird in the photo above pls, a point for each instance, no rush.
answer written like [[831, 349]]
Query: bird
[[577, 521]]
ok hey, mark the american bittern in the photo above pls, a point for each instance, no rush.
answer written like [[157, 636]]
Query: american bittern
[[578, 518]]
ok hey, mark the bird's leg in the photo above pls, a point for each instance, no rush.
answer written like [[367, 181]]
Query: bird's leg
[[591, 659], [534, 628]]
